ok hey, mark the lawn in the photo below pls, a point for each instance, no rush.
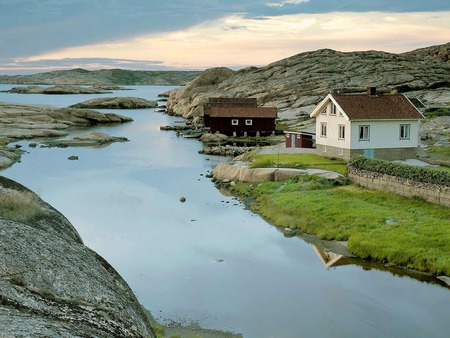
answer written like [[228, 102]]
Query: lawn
[[385, 227]]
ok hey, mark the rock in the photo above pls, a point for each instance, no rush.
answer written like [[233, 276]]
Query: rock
[[86, 140], [51, 285], [289, 233], [182, 199], [304, 79], [32, 145], [116, 103], [73, 158], [61, 89]]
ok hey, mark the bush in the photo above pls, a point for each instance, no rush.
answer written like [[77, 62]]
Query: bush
[[409, 172], [19, 206]]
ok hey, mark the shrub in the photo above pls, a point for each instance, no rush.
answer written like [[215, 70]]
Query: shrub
[[19, 206], [409, 172]]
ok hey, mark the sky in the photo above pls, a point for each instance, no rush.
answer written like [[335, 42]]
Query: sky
[[44, 35]]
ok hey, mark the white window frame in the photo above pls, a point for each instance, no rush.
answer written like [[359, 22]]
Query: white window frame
[[405, 131], [341, 135], [324, 111], [249, 122], [364, 132], [323, 129], [234, 122], [341, 151]]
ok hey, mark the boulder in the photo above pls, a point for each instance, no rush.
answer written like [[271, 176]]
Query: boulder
[[51, 285], [116, 103], [86, 140]]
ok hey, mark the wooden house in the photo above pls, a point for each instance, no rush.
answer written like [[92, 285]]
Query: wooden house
[[239, 117], [382, 126], [299, 139]]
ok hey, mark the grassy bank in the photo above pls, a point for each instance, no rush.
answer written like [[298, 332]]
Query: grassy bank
[[295, 161], [378, 225], [19, 206]]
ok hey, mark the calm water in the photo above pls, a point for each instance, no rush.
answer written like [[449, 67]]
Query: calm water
[[124, 201]]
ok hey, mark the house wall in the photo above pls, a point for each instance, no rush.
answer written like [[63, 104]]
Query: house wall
[[300, 140], [384, 134], [223, 125], [333, 122], [389, 154]]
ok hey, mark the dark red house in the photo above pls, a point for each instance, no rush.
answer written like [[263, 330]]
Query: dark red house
[[239, 117], [299, 139]]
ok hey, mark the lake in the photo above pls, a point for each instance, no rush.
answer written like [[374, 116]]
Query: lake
[[209, 260]]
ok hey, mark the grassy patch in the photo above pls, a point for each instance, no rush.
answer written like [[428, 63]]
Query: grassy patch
[[378, 225], [296, 161], [19, 206]]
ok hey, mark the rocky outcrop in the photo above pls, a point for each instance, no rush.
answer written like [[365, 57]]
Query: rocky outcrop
[[57, 90], [239, 171], [104, 77], [301, 81], [439, 52], [188, 100], [116, 103], [85, 140], [51, 285], [20, 121]]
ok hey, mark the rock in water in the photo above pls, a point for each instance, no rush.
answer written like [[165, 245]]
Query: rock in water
[[117, 103], [51, 285]]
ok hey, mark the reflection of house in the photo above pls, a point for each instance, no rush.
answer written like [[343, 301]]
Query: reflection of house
[[299, 139], [330, 259], [237, 117], [382, 126]]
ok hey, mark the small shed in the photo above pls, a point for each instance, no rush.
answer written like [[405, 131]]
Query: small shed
[[299, 139]]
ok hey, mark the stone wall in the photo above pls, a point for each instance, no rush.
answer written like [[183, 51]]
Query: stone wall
[[430, 192], [389, 154]]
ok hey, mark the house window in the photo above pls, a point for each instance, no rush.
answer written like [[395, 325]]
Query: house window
[[333, 109], [342, 132], [323, 129], [324, 111], [298, 136], [341, 151], [324, 149], [364, 133], [404, 132], [234, 122], [248, 122]]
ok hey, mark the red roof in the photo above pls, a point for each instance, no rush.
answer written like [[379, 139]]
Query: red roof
[[244, 112], [377, 107]]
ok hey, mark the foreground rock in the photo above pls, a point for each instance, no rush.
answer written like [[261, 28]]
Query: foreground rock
[[86, 140], [51, 285], [20, 121], [301, 81], [239, 171], [117, 103], [57, 90]]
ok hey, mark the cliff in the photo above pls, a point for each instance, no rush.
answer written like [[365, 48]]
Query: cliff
[[51, 285], [299, 82]]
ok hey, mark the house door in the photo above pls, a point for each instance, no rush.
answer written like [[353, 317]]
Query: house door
[[293, 136], [369, 153]]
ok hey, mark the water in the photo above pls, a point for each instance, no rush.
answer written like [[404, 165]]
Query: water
[[124, 201]]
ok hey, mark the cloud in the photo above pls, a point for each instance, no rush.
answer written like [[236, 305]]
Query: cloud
[[286, 2], [246, 41]]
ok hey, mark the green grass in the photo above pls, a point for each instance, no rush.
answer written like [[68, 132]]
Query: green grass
[[385, 227], [19, 206], [296, 161]]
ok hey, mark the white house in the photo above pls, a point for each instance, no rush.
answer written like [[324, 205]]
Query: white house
[[383, 126]]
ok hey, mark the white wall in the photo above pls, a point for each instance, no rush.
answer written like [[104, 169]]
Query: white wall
[[333, 122], [385, 134]]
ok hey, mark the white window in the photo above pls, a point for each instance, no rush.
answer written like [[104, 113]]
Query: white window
[[404, 131], [342, 132], [298, 136], [324, 112], [234, 122], [364, 133], [324, 149], [248, 122], [341, 151], [323, 129]]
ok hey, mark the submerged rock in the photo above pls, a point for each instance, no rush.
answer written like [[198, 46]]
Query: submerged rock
[[51, 285]]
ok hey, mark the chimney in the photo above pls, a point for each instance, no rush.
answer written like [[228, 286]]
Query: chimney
[[372, 91]]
